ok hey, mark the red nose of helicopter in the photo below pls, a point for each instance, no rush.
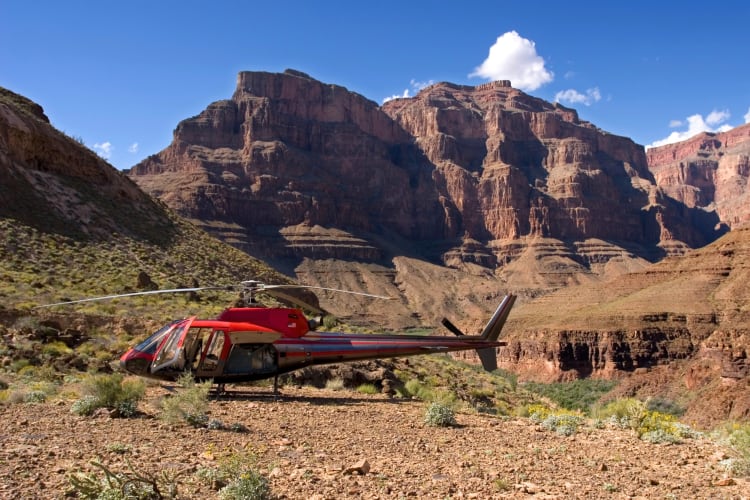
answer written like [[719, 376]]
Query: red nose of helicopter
[[136, 362]]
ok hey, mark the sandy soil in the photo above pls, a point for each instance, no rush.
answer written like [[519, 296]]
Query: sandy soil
[[306, 442]]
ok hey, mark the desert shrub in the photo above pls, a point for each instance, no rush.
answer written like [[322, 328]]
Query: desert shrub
[[367, 389], [651, 426], [619, 408], [660, 436], [110, 391], [413, 387], [11, 396], [665, 406], [439, 415], [737, 437], [125, 485], [215, 425], [56, 349], [510, 377], [238, 427], [35, 397], [85, 406], [535, 412], [330, 322], [563, 424], [189, 404], [335, 384], [579, 394], [236, 477], [251, 485], [416, 389]]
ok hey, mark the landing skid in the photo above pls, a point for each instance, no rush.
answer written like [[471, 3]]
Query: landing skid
[[220, 390]]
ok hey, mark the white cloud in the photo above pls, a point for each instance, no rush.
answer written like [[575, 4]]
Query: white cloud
[[133, 148], [747, 116], [414, 86], [716, 117], [514, 58], [697, 124], [104, 149], [572, 96], [675, 123]]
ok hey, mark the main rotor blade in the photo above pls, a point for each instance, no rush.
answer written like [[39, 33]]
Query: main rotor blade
[[293, 300], [150, 292], [265, 287]]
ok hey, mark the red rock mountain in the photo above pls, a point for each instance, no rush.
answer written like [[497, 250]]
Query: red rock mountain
[[709, 170], [486, 166], [294, 168]]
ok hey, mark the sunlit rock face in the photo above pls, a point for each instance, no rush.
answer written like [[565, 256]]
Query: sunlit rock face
[[709, 170], [478, 172]]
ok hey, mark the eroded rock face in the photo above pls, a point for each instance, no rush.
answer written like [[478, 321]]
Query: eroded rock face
[[709, 170], [468, 166]]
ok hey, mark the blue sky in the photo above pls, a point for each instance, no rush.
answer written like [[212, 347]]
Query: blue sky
[[121, 75]]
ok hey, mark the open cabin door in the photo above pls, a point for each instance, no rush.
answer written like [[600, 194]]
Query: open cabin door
[[171, 354]]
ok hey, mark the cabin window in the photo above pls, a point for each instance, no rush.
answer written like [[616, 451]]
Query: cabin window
[[213, 352], [252, 358]]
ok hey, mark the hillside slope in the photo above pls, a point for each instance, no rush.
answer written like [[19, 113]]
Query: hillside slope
[[72, 226]]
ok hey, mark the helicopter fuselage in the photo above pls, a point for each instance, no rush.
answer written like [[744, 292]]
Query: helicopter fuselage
[[245, 344]]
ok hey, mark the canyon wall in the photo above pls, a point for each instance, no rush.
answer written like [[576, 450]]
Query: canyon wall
[[470, 174], [710, 171]]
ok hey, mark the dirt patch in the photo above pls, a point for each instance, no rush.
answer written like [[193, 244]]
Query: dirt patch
[[312, 443]]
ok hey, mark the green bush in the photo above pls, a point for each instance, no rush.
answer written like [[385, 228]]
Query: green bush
[[563, 424], [125, 485], [367, 389], [440, 415], [737, 436], [251, 485], [665, 406], [189, 404], [86, 406], [579, 394], [111, 391], [236, 478], [651, 426], [35, 397]]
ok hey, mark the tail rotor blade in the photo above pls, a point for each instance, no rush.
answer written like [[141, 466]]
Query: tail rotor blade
[[453, 328]]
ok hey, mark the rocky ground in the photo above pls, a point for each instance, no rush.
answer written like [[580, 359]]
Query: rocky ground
[[318, 443]]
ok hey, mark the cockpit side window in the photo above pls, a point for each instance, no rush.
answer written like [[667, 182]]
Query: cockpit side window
[[149, 345]]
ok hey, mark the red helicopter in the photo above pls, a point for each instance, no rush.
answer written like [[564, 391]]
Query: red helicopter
[[255, 342]]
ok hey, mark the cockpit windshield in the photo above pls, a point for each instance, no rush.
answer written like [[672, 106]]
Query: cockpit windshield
[[150, 345]]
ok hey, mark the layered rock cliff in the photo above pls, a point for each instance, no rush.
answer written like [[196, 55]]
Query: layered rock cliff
[[709, 170], [472, 174], [676, 330]]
